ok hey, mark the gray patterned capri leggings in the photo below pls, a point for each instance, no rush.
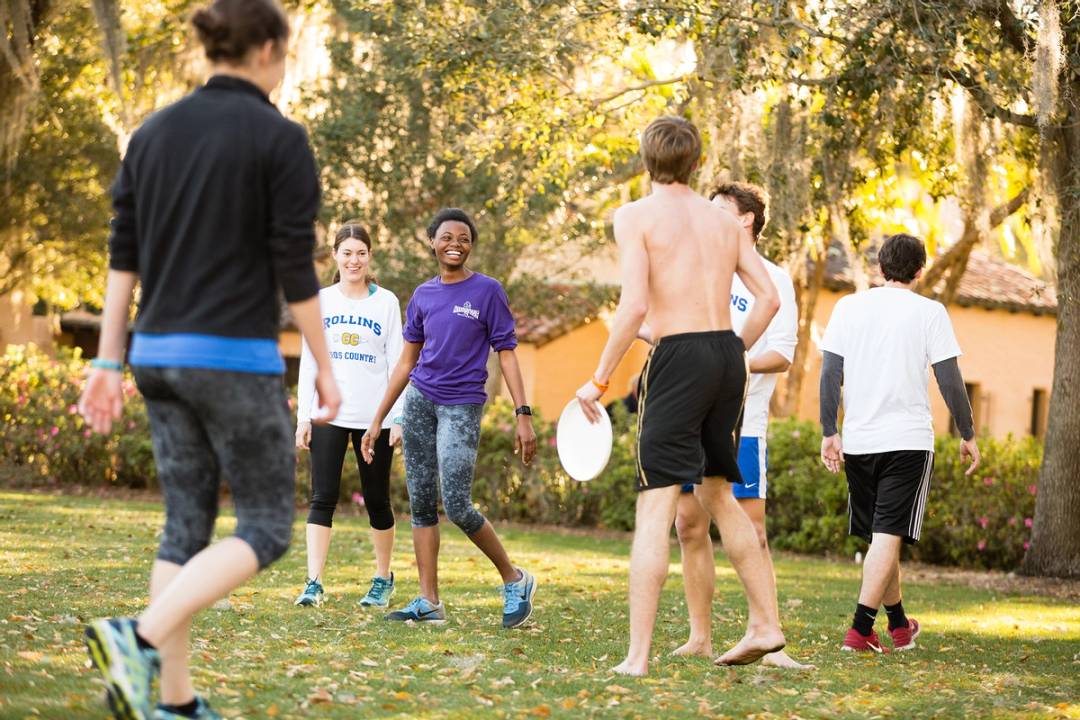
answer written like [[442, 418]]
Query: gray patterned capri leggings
[[440, 444], [206, 424]]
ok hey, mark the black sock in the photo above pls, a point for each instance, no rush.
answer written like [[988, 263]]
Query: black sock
[[897, 618], [864, 619], [142, 642], [187, 709]]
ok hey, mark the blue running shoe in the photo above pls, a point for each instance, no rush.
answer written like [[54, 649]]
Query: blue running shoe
[[128, 669], [420, 610], [312, 595], [380, 593], [202, 712], [517, 600]]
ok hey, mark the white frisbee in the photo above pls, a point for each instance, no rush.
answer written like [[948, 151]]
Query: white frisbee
[[584, 447]]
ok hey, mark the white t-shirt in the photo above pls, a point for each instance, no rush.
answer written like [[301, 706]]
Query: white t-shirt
[[888, 338], [364, 339], [780, 336]]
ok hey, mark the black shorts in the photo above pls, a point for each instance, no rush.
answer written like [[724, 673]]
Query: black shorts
[[690, 409], [887, 492]]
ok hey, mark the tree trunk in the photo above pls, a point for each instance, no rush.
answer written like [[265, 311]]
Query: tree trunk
[[806, 297], [1055, 538]]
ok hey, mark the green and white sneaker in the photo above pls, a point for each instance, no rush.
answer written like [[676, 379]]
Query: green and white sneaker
[[382, 589], [128, 669], [420, 610], [517, 600], [203, 711], [312, 595]]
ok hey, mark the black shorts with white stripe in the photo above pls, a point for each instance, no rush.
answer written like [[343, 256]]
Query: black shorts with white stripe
[[887, 493]]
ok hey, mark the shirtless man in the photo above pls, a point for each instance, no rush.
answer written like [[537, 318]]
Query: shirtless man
[[678, 254]]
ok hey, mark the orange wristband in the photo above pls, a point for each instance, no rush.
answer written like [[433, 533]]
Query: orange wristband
[[599, 386]]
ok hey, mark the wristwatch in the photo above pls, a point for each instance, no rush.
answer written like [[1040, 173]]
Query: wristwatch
[[523, 410]]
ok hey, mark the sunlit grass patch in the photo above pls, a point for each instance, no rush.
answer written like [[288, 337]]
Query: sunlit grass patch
[[65, 560]]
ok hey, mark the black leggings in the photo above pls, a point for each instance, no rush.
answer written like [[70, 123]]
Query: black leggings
[[328, 446]]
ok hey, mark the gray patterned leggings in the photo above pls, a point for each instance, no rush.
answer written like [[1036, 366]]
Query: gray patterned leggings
[[440, 444], [206, 424]]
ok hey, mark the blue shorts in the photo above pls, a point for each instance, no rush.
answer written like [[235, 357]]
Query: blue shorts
[[753, 465]]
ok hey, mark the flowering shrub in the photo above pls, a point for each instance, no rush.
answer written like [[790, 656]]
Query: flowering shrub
[[45, 435], [979, 521]]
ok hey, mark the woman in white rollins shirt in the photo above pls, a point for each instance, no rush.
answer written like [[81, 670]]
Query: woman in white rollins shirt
[[362, 322]]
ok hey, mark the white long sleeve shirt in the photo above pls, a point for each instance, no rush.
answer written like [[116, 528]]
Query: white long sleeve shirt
[[364, 339], [780, 336]]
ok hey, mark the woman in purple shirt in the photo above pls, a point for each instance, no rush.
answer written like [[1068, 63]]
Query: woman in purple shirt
[[451, 322]]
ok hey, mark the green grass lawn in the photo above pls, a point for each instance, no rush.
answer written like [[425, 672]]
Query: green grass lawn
[[64, 560]]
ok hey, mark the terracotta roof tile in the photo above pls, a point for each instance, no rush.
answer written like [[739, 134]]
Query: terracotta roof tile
[[988, 282]]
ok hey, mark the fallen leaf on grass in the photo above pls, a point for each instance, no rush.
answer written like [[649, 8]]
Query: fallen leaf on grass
[[320, 696], [617, 689], [30, 655]]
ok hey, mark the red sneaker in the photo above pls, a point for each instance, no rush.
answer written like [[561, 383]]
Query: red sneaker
[[854, 641], [904, 638]]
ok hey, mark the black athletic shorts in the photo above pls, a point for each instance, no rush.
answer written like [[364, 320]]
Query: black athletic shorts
[[887, 492], [690, 408]]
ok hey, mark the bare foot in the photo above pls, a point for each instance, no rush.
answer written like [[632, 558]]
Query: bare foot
[[704, 649], [752, 648], [780, 659], [628, 668]]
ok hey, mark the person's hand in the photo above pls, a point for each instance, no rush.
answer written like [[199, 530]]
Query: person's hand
[[968, 449], [329, 398], [102, 399], [303, 435], [588, 395], [832, 454], [395, 435], [525, 439], [367, 443]]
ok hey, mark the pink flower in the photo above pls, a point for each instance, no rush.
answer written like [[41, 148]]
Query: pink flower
[[54, 431], [981, 545], [131, 424], [87, 432], [72, 409], [795, 433], [984, 521], [1032, 489], [1026, 544], [1027, 522], [1012, 521], [553, 442], [358, 499], [988, 481]]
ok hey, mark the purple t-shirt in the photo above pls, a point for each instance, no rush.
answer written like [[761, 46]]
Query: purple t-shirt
[[457, 323]]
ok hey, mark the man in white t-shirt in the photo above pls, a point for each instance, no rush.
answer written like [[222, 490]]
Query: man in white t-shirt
[[770, 355], [878, 346]]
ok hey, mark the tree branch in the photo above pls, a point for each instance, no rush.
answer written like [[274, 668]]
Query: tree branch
[[981, 96], [1014, 30], [642, 86]]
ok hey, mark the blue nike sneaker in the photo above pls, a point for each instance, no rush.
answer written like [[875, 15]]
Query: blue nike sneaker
[[517, 600], [382, 589], [128, 669], [312, 595], [203, 711], [420, 610]]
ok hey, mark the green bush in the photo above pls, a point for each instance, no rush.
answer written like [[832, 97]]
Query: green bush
[[45, 437], [981, 521]]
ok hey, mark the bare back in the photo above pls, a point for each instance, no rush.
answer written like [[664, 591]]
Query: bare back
[[693, 253]]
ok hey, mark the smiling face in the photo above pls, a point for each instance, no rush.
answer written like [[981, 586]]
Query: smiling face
[[452, 244], [352, 257]]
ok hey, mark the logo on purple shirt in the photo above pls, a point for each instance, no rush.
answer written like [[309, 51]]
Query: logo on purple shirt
[[467, 310]]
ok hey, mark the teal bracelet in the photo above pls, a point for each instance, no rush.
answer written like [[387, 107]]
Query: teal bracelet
[[103, 364], [397, 420]]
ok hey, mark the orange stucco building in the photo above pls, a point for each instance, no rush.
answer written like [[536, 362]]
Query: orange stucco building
[[1004, 318]]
